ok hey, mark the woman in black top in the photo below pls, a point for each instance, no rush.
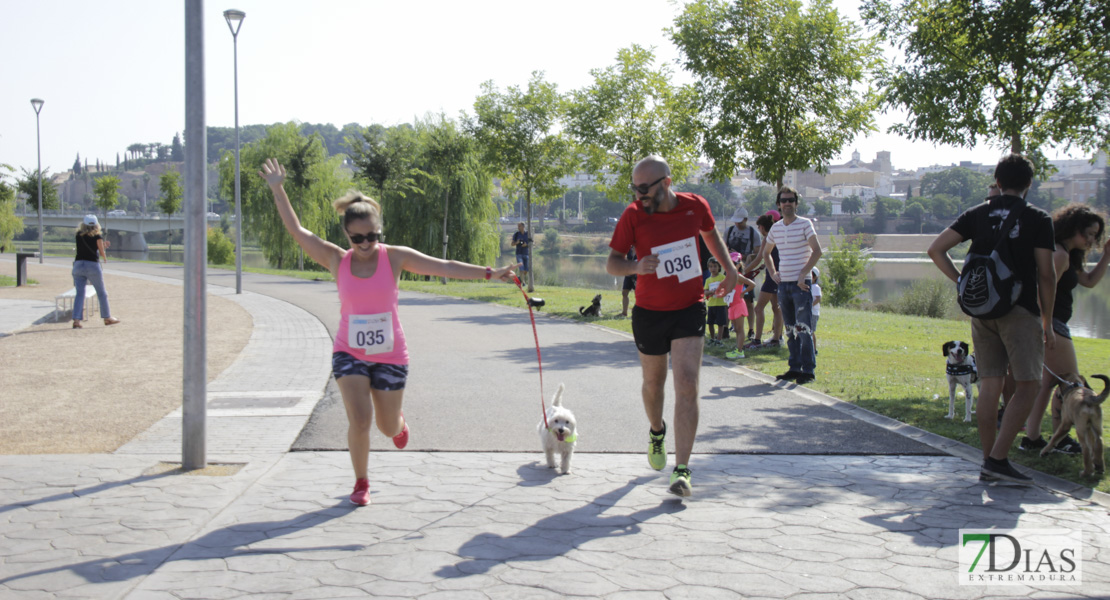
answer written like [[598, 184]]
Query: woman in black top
[[86, 270], [1077, 229]]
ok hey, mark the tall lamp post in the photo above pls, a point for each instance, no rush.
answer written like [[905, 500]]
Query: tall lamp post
[[37, 104], [234, 22]]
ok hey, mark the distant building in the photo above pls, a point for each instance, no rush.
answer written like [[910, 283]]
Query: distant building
[[876, 174]]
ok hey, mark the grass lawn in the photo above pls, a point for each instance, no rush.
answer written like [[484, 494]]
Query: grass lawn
[[886, 363], [6, 281]]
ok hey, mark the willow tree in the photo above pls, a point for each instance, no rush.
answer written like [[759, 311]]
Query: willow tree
[[519, 131], [631, 110], [384, 157], [448, 209], [1020, 74], [10, 224], [314, 180], [777, 88]]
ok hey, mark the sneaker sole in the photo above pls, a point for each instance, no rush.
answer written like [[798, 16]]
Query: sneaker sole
[[681, 489]]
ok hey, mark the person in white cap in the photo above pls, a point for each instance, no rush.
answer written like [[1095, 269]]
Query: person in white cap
[[745, 239], [86, 269]]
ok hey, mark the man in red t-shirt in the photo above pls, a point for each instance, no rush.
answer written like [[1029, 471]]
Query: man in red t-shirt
[[669, 316]]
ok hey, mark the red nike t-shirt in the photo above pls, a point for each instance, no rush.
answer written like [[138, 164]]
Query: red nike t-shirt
[[636, 228]]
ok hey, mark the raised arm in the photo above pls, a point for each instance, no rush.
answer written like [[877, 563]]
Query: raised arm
[[1091, 278], [322, 251], [417, 262]]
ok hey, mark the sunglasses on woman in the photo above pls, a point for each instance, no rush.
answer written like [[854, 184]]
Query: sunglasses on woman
[[358, 238]]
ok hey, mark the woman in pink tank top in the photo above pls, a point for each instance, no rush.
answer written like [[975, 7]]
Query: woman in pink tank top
[[370, 357]]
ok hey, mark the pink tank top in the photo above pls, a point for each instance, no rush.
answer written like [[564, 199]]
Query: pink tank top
[[368, 319]]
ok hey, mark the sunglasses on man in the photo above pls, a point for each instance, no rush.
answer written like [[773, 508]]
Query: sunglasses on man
[[358, 238], [643, 188]]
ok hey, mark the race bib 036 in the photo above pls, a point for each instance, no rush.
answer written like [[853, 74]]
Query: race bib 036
[[678, 259]]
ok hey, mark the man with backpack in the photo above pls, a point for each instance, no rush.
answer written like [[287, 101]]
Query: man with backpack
[[1008, 268], [743, 238]]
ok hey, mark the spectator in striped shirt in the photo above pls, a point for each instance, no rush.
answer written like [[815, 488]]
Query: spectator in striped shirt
[[799, 251]]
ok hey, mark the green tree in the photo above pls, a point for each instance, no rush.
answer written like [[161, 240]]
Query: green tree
[[777, 88], [631, 110], [451, 200], [1022, 74], [759, 200], [845, 270], [106, 189], [915, 211], [10, 224], [717, 202], [29, 185], [943, 206], [169, 183], [851, 205], [885, 210], [385, 157], [314, 181], [967, 185], [177, 150], [519, 130], [550, 244], [822, 208], [221, 250]]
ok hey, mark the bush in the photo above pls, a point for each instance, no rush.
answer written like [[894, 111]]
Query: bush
[[845, 270], [220, 249], [934, 298], [580, 247], [857, 224], [550, 242]]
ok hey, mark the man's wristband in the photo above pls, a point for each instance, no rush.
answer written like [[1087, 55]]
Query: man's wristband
[[489, 273]]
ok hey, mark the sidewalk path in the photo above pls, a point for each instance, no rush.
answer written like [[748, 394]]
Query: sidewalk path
[[497, 524]]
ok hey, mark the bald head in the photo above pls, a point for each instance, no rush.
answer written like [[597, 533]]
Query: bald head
[[652, 166]]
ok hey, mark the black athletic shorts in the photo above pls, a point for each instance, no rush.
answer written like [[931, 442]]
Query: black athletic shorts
[[629, 282], [654, 329]]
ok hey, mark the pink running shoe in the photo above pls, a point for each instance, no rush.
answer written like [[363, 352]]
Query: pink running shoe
[[361, 495], [402, 439]]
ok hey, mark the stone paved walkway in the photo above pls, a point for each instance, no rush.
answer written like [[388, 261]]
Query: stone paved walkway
[[496, 524]]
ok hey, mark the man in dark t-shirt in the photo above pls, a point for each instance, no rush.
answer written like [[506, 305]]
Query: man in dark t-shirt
[[1018, 339]]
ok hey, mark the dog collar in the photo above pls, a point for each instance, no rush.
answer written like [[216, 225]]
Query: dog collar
[[570, 438], [960, 369]]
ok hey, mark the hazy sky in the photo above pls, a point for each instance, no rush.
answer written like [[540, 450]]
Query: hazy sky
[[112, 72]]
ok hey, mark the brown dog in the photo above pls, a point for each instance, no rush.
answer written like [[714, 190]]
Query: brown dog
[[1082, 408]]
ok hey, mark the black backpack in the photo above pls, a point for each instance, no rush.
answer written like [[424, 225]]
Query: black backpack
[[988, 287]]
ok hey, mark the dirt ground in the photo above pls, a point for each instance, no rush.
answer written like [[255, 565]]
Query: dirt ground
[[74, 391]]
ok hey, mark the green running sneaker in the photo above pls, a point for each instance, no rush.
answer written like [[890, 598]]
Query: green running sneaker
[[657, 451], [680, 482]]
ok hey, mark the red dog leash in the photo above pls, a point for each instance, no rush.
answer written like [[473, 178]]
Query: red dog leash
[[539, 359]]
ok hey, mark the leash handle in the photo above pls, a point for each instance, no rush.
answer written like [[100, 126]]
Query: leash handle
[[536, 336]]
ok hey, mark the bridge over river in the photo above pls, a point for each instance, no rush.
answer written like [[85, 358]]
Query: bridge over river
[[124, 232]]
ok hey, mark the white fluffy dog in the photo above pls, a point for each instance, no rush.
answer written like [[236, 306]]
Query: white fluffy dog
[[561, 433]]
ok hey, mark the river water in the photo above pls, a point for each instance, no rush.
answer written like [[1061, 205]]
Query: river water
[[886, 279]]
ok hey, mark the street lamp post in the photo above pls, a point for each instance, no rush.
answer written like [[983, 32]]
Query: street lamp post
[[234, 22], [37, 104]]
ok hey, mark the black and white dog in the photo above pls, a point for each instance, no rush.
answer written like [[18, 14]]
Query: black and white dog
[[961, 371]]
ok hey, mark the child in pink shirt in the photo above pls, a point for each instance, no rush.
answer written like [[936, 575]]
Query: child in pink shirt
[[737, 310]]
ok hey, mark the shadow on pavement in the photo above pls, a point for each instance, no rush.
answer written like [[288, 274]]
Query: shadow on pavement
[[221, 543], [85, 491], [556, 535]]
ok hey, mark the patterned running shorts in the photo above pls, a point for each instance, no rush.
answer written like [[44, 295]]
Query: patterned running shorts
[[382, 376]]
